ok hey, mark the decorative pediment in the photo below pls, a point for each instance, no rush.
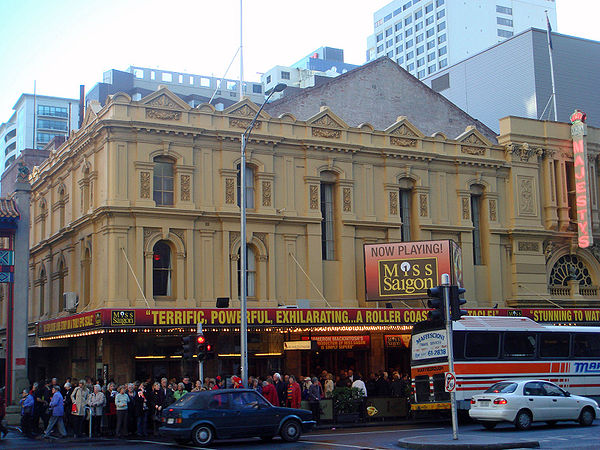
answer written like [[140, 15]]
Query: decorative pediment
[[327, 119], [164, 98], [246, 108], [403, 133], [206, 107], [472, 142], [90, 114]]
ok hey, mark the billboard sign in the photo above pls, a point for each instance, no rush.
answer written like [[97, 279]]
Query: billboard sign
[[582, 183], [405, 270]]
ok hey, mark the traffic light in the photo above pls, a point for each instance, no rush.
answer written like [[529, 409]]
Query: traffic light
[[189, 347], [436, 301], [201, 346], [455, 301], [210, 352]]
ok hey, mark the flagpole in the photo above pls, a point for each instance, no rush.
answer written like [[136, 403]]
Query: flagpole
[[551, 68], [241, 54]]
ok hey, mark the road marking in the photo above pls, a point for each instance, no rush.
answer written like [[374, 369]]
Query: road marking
[[371, 432], [170, 444], [329, 444]]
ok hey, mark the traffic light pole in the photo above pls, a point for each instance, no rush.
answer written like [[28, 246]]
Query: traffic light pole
[[446, 287], [201, 372]]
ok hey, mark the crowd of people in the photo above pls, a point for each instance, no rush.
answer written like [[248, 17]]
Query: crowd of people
[[78, 407]]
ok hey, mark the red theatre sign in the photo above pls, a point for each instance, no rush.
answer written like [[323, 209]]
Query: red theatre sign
[[582, 195]]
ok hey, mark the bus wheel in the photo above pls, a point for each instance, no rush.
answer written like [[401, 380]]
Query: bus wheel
[[489, 425], [523, 420]]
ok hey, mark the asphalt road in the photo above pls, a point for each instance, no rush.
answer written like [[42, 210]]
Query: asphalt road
[[562, 436]]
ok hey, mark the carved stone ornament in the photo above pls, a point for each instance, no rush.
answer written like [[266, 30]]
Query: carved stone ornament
[[152, 113], [179, 233], [549, 248], [472, 139], [185, 188], [326, 121], [244, 111], [325, 133], [262, 237], [595, 250], [243, 123], [403, 130], [234, 236], [466, 213], [149, 232], [478, 151], [526, 196], [229, 190], [528, 246], [523, 151], [164, 101], [145, 184], [314, 196], [423, 205], [493, 212], [393, 203], [347, 194], [403, 142], [266, 193]]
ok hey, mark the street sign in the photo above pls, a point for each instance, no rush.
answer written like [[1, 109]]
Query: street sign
[[450, 382]]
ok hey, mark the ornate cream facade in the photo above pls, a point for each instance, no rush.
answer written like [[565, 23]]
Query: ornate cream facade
[[95, 223]]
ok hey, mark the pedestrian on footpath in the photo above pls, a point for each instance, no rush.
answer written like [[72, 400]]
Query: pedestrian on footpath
[[121, 402], [315, 393], [27, 403], [79, 398], [96, 402], [3, 429], [294, 393], [56, 407]]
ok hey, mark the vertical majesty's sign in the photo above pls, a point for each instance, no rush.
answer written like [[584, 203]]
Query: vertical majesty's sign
[[582, 183], [405, 270]]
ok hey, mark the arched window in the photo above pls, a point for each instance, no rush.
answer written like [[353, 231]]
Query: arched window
[[61, 285], [163, 181], [43, 214], [42, 290], [249, 181], [162, 270], [405, 199], [328, 180], [250, 272], [86, 266], [61, 205], [570, 268]]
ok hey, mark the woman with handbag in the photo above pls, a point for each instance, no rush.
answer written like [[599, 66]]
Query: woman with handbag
[[79, 398], [96, 402]]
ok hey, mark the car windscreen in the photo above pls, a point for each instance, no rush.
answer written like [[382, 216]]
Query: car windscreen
[[189, 401], [504, 387]]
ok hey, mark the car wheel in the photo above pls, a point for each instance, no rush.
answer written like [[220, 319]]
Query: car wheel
[[586, 418], [202, 435], [489, 425], [523, 420], [290, 431]]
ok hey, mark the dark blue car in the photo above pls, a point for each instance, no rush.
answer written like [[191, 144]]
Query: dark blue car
[[231, 413]]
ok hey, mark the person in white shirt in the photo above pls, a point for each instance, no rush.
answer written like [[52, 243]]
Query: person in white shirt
[[358, 383]]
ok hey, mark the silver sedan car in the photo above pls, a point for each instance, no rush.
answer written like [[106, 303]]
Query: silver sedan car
[[527, 401]]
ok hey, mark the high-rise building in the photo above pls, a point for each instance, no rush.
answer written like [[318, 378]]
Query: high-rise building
[[424, 36], [35, 122]]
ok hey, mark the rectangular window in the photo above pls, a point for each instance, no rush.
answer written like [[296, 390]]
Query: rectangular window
[[285, 75], [504, 33], [430, 45], [406, 6], [428, 8], [408, 20], [519, 344], [481, 344], [441, 26], [405, 216], [439, 3], [390, 54], [430, 69], [430, 32], [257, 89], [430, 57], [400, 59], [205, 82], [441, 39], [398, 50], [418, 14], [380, 49], [419, 38], [168, 77], [443, 63], [388, 17], [440, 14], [503, 10], [327, 224], [420, 62], [503, 21], [380, 37], [408, 32], [388, 32], [586, 345], [50, 124], [410, 67], [54, 111], [397, 11], [398, 26], [410, 55], [268, 79], [419, 26], [420, 49], [429, 20], [389, 43], [554, 345], [421, 74], [476, 218], [442, 51], [409, 43]]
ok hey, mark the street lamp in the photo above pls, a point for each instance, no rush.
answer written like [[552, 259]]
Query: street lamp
[[243, 286]]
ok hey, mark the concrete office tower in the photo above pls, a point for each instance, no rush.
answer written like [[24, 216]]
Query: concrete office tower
[[39, 117], [424, 36], [513, 79]]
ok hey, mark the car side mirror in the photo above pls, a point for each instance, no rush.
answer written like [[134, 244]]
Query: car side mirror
[[567, 394]]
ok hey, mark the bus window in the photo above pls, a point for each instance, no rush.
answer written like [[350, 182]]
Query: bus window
[[554, 345], [519, 345], [586, 345], [458, 339], [481, 344]]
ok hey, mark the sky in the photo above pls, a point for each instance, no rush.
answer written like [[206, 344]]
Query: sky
[[64, 43]]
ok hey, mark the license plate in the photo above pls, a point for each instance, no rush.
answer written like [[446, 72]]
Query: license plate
[[484, 402], [170, 420]]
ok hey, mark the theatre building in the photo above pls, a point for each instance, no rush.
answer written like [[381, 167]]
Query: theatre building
[[136, 232]]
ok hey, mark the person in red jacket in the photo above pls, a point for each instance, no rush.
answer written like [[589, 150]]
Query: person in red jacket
[[294, 393], [270, 393]]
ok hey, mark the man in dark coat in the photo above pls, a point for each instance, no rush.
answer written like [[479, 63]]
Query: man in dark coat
[[280, 388]]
